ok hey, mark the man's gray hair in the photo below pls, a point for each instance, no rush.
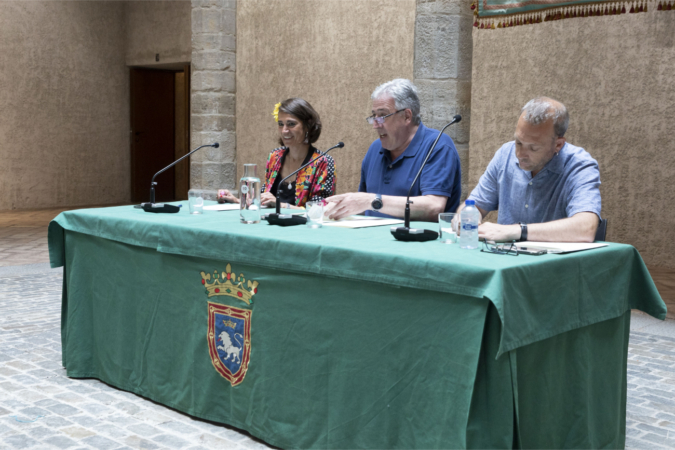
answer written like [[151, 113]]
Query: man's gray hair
[[404, 94], [540, 109]]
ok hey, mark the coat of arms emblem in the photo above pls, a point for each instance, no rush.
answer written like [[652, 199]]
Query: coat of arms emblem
[[229, 329]]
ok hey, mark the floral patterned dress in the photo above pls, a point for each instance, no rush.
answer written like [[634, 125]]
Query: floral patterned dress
[[314, 182]]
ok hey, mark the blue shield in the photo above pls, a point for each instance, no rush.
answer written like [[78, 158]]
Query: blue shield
[[229, 340]]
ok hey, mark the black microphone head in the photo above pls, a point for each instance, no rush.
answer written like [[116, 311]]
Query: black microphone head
[[457, 118], [216, 145], [340, 144]]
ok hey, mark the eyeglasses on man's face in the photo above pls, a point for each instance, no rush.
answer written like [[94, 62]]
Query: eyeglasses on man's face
[[380, 119], [507, 248]]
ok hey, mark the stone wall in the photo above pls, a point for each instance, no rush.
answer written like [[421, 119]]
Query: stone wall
[[64, 137], [331, 53], [213, 93], [615, 74], [64, 133], [443, 52]]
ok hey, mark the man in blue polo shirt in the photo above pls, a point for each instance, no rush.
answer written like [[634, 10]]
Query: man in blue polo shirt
[[392, 162], [544, 188]]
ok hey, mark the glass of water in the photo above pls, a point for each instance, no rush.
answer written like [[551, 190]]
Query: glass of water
[[448, 229], [196, 201], [314, 214]]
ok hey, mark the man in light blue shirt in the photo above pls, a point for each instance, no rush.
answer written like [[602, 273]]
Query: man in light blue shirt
[[544, 188]]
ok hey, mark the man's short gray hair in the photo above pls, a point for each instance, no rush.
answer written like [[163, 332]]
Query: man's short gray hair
[[404, 94], [540, 109]]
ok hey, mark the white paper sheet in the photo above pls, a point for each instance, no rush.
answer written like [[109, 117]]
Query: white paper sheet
[[222, 207], [360, 222], [558, 247]]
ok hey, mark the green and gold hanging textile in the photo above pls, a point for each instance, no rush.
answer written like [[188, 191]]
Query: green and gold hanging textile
[[493, 14]]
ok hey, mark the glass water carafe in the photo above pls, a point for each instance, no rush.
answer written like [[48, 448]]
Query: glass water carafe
[[249, 191]]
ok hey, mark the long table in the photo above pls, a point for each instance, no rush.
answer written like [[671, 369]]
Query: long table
[[342, 338]]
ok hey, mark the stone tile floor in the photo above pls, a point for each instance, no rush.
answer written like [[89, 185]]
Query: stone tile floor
[[41, 408], [650, 412], [23, 236], [23, 245]]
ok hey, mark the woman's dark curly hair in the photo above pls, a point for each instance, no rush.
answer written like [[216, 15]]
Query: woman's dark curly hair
[[306, 114]]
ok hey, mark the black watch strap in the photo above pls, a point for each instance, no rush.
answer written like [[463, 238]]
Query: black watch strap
[[523, 232]]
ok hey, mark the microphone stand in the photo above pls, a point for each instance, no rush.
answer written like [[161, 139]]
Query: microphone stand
[[153, 207], [405, 233], [286, 220]]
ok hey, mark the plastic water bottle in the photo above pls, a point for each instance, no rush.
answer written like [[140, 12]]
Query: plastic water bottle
[[469, 219]]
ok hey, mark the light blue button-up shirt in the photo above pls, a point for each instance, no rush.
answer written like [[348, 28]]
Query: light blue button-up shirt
[[568, 184]]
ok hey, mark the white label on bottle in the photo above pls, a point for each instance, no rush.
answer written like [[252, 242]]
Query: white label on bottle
[[244, 189]]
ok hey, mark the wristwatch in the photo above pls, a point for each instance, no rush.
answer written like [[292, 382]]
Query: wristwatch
[[376, 204], [523, 232]]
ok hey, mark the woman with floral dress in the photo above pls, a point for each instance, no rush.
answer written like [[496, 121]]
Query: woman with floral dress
[[299, 127]]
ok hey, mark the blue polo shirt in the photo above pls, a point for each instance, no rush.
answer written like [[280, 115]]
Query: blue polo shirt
[[568, 184], [441, 176]]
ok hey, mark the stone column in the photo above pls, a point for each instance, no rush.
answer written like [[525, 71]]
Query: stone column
[[442, 70], [213, 94]]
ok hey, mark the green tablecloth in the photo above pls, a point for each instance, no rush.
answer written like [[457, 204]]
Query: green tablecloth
[[356, 340]]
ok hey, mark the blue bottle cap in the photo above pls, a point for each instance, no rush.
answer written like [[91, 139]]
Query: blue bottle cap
[[470, 202]]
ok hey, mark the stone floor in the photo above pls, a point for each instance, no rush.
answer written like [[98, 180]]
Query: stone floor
[[23, 236], [650, 412], [40, 408]]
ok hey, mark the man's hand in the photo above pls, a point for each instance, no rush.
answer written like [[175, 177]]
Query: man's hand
[[347, 204], [498, 233]]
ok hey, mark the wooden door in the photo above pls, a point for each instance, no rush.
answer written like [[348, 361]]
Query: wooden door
[[182, 132], [152, 133]]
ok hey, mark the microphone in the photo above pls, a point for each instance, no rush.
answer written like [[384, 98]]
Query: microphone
[[405, 233], [286, 220], [161, 207]]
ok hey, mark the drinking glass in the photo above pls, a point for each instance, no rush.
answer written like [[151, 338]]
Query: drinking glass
[[314, 214], [249, 195], [448, 229], [196, 201]]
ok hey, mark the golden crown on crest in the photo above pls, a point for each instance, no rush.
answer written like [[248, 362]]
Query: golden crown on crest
[[229, 323], [228, 283]]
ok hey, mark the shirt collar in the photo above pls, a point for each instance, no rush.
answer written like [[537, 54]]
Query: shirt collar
[[412, 148], [555, 165]]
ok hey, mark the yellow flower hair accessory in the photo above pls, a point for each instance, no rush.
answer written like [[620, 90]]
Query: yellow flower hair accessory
[[275, 113]]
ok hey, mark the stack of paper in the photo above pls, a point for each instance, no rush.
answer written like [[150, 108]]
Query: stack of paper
[[360, 222], [222, 207]]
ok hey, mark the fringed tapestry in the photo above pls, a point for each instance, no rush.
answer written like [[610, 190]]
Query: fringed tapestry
[[493, 14]]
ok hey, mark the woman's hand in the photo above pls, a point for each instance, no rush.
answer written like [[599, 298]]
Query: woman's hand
[[268, 200], [229, 198]]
